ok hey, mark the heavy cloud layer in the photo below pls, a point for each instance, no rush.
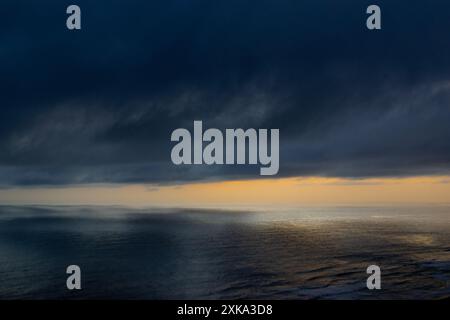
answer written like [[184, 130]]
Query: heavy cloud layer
[[98, 105]]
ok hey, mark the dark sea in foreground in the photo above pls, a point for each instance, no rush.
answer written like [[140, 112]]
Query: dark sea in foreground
[[297, 253]]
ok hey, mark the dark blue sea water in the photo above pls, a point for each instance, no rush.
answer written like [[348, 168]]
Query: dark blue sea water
[[289, 253]]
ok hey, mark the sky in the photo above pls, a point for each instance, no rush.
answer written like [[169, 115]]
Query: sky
[[245, 194], [86, 116]]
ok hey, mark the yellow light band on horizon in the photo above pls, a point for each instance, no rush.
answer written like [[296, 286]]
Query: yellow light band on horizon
[[288, 191]]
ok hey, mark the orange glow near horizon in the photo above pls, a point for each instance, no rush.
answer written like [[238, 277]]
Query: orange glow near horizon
[[288, 191]]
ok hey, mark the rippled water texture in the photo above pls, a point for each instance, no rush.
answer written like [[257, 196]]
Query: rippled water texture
[[297, 253]]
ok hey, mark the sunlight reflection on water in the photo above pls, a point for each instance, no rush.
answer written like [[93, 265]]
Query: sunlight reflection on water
[[299, 253]]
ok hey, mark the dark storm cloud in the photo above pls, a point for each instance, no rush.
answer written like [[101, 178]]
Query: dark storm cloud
[[98, 105]]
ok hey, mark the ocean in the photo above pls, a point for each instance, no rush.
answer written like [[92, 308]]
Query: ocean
[[268, 253]]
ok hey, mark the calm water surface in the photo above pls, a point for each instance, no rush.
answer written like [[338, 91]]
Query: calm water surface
[[297, 253]]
